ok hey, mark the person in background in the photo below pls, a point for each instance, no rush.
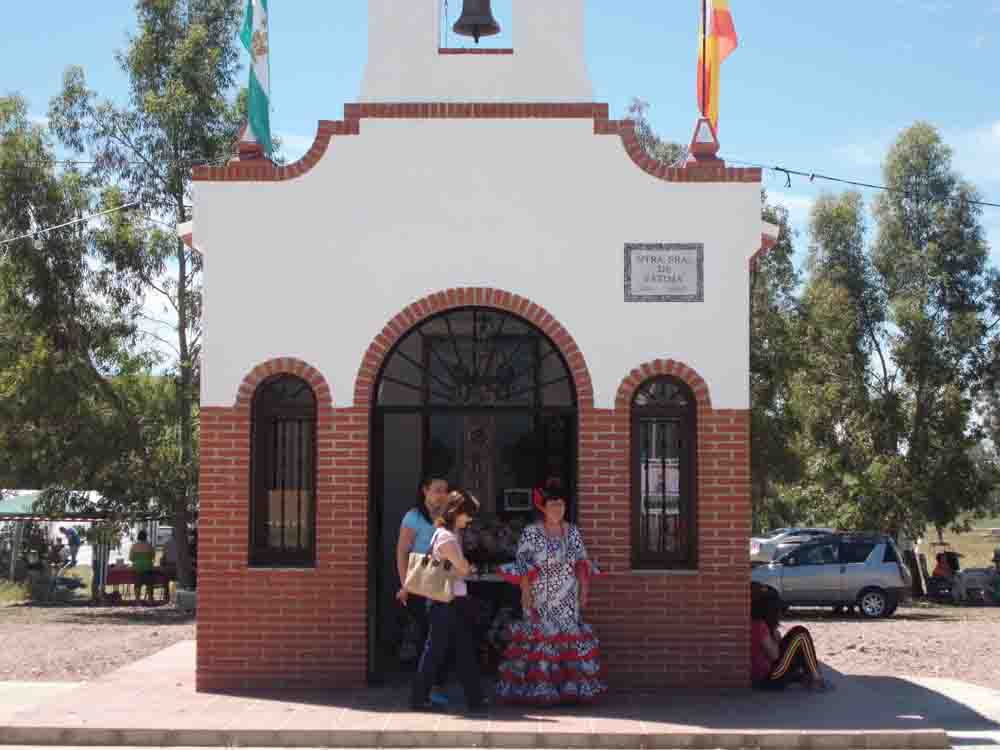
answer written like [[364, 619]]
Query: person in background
[[415, 534], [448, 624], [141, 556], [72, 541], [777, 661], [942, 568], [553, 656]]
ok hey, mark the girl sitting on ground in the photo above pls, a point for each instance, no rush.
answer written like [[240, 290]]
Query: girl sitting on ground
[[776, 661]]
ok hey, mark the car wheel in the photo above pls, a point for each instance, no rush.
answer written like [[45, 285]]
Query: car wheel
[[873, 603]]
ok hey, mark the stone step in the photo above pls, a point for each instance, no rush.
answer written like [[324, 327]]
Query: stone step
[[64, 736]]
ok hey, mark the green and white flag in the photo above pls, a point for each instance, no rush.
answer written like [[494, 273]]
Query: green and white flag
[[254, 36]]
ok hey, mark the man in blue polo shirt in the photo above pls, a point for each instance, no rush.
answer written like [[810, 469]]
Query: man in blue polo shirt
[[72, 541]]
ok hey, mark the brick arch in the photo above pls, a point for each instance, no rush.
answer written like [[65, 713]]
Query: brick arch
[[284, 366], [496, 299], [638, 376]]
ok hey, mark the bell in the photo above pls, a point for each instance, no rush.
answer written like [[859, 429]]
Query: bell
[[476, 20]]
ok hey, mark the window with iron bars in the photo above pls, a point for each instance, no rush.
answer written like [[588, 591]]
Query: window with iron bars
[[664, 435], [283, 473]]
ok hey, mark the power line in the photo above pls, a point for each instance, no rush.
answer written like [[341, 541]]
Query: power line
[[85, 162], [813, 176], [89, 217]]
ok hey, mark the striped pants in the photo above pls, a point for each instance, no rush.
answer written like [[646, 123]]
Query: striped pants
[[796, 660]]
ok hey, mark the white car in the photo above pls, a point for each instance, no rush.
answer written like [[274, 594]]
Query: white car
[[764, 549]]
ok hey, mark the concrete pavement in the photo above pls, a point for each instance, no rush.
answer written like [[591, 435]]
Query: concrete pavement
[[153, 703]]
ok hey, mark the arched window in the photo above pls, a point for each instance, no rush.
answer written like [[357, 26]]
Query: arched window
[[283, 473], [664, 488]]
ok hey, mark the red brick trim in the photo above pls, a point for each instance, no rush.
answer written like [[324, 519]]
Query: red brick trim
[[715, 171], [767, 242], [284, 366], [644, 372], [496, 299], [265, 171], [469, 51], [476, 110]]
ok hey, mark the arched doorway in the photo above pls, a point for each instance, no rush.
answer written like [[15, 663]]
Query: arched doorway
[[482, 398]]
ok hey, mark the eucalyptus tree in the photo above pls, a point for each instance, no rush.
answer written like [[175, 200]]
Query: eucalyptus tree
[[183, 108], [775, 356], [896, 337]]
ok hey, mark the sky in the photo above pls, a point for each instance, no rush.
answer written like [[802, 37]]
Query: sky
[[818, 86]]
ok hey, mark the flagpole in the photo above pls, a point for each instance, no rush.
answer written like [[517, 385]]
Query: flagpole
[[704, 57]]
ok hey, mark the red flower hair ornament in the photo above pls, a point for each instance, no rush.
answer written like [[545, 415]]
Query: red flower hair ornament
[[538, 499]]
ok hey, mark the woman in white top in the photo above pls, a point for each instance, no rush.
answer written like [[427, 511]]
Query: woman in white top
[[447, 620]]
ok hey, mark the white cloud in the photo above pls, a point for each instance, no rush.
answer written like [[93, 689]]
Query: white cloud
[[38, 120], [977, 156], [797, 205], [865, 155]]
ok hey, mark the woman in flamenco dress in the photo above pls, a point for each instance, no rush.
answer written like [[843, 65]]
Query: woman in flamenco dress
[[553, 657]]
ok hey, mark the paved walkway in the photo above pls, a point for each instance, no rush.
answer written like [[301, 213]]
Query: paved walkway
[[153, 702]]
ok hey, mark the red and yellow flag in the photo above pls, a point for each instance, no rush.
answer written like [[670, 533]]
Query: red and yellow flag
[[712, 51]]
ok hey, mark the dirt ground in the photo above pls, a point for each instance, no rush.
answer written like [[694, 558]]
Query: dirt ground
[[959, 642], [76, 643], [55, 643]]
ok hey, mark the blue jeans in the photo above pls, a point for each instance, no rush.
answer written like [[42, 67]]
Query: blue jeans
[[420, 610], [448, 626]]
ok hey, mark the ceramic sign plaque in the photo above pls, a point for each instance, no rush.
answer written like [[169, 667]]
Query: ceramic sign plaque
[[664, 272]]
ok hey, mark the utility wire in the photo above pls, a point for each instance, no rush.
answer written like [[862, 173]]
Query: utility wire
[[84, 162], [89, 217], [813, 176]]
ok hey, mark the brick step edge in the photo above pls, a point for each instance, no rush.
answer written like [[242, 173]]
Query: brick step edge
[[925, 739]]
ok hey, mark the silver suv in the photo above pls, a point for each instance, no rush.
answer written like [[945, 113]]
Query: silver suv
[[841, 570], [764, 549]]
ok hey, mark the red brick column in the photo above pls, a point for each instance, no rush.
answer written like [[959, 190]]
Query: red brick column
[[670, 628], [268, 627]]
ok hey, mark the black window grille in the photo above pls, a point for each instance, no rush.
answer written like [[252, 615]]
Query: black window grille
[[664, 437], [283, 473], [472, 358]]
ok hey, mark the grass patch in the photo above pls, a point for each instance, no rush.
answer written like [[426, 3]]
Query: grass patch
[[975, 547], [12, 593], [39, 589]]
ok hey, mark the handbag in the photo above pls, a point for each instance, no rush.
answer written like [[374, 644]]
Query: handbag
[[430, 578]]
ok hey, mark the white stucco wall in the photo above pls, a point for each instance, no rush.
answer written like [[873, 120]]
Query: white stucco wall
[[548, 64], [314, 267]]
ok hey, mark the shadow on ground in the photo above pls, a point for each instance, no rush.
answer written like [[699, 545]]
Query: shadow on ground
[[856, 703]]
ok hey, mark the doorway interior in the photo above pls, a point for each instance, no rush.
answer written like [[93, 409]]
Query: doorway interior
[[481, 398]]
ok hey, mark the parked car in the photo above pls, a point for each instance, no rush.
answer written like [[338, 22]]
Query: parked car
[[841, 570], [764, 549]]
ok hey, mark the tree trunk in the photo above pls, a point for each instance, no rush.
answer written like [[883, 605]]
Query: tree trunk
[[184, 578]]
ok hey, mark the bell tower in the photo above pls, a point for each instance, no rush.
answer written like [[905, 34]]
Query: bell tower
[[546, 64]]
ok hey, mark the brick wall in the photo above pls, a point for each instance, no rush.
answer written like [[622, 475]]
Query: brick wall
[[306, 627], [670, 628], [266, 627]]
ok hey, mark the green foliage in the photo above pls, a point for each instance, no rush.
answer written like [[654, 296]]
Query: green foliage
[[775, 355], [894, 334], [656, 147], [82, 410]]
